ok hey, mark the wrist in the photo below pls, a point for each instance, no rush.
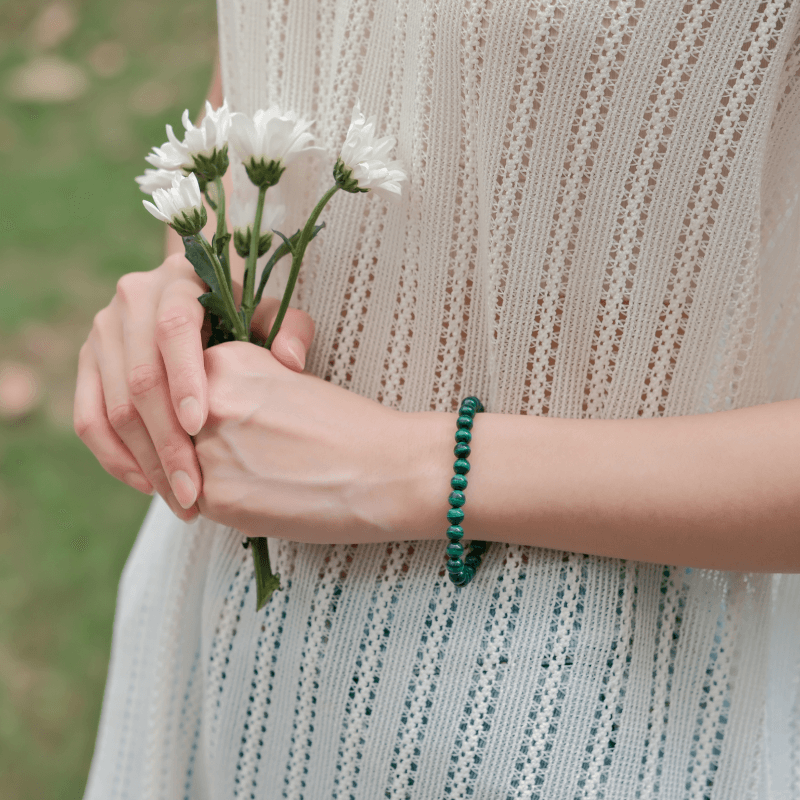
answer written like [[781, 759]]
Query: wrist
[[427, 468]]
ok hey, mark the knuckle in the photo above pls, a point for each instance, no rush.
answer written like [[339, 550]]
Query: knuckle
[[99, 321], [216, 403], [171, 455], [81, 425], [174, 323], [176, 262], [129, 286], [214, 357], [158, 478], [122, 414], [142, 379], [125, 284]]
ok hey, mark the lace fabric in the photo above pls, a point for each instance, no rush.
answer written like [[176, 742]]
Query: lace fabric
[[601, 222]]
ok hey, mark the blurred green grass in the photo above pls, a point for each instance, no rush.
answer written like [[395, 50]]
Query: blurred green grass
[[71, 223]]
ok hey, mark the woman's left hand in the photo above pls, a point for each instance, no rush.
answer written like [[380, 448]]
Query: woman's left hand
[[291, 456]]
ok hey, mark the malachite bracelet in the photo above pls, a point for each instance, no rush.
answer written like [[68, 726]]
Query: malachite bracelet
[[462, 570]]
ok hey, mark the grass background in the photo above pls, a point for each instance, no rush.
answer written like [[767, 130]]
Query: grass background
[[71, 223]]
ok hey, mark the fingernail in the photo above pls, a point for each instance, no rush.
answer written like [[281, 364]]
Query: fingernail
[[296, 349], [183, 488], [191, 415], [138, 482]]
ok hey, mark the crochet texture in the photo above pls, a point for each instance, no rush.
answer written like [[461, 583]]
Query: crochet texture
[[601, 222]]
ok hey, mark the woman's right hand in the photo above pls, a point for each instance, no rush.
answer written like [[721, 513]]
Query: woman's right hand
[[141, 390]]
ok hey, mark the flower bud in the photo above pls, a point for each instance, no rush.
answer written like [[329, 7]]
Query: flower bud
[[181, 206], [264, 173], [343, 176], [212, 166], [243, 238]]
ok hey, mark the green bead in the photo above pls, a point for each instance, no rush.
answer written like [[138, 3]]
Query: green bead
[[455, 532], [461, 466], [478, 404], [457, 499], [469, 401], [464, 577], [454, 565], [455, 549], [463, 435], [455, 515], [467, 410], [479, 547], [462, 450], [464, 422], [472, 561], [458, 482]]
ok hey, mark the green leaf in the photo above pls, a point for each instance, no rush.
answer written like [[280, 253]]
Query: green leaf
[[282, 250], [219, 242], [210, 201], [288, 242], [201, 262], [213, 302], [266, 582], [219, 333], [317, 229]]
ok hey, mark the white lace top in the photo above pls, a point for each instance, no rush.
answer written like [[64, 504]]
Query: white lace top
[[601, 222]]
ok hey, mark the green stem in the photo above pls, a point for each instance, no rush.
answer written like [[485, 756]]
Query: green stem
[[222, 227], [266, 580], [297, 260], [248, 290], [227, 297]]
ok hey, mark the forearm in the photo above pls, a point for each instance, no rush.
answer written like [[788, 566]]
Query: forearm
[[716, 490]]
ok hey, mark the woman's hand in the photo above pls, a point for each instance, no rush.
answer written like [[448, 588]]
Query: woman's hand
[[292, 456], [141, 388]]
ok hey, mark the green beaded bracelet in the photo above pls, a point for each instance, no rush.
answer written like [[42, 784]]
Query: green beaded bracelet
[[460, 569]]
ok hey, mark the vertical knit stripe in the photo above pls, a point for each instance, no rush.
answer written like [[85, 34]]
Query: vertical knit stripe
[[601, 222]]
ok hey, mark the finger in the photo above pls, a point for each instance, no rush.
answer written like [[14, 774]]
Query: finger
[[146, 381], [93, 428], [179, 321], [205, 331], [120, 410], [294, 338]]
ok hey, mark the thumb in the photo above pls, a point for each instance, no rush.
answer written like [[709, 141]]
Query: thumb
[[293, 340]]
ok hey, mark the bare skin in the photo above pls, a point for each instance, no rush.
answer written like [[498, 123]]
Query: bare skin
[[714, 490], [141, 389], [288, 455]]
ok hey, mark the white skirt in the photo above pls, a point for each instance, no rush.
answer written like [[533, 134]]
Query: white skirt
[[368, 675]]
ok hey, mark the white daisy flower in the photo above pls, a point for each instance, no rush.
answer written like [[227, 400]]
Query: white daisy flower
[[203, 148], [269, 142], [211, 135], [363, 163], [180, 206], [173, 154], [155, 179]]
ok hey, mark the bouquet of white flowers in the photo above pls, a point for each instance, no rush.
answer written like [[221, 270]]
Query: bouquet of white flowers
[[266, 144]]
